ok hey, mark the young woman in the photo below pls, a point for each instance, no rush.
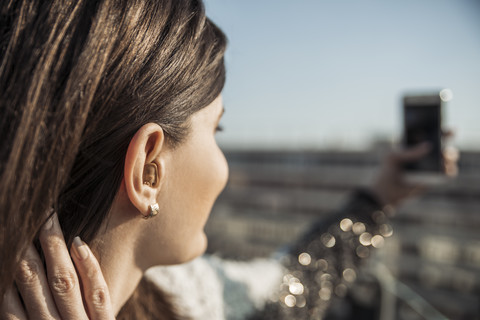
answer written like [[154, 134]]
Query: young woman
[[108, 115]]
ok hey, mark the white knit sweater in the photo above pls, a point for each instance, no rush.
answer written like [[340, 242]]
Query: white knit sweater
[[210, 288]]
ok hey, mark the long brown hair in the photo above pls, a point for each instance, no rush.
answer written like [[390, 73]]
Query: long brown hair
[[77, 80]]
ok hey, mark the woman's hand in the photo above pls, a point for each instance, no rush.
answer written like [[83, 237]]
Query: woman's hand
[[57, 293], [391, 187]]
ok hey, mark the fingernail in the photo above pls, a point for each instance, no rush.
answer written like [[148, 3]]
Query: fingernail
[[49, 223], [80, 248]]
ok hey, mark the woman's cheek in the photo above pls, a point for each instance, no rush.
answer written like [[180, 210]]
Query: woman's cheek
[[223, 170]]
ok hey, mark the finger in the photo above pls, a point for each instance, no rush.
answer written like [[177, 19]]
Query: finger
[[412, 154], [451, 170], [12, 308], [451, 155], [95, 290], [62, 276], [448, 133], [33, 286]]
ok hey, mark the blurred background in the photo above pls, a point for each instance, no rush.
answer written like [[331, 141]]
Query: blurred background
[[313, 101]]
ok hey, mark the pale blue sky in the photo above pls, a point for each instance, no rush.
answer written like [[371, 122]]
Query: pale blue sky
[[321, 74]]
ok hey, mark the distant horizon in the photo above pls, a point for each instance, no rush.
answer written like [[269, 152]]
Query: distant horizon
[[367, 147], [322, 75]]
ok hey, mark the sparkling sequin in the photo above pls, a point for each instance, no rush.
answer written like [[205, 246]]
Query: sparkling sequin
[[389, 210], [323, 264], [325, 294], [365, 239], [326, 277], [379, 217], [358, 228], [362, 252], [378, 241], [296, 288], [327, 284], [301, 301], [290, 301], [349, 275], [386, 230], [287, 277], [304, 259], [346, 225], [328, 240], [293, 280]]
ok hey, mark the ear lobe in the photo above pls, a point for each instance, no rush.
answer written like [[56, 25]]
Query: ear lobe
[[144, 166]]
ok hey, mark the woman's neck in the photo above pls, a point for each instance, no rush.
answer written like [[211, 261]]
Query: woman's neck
[[117, 253], [121, 274]]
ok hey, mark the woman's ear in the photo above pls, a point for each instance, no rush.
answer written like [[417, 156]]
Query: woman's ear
[[145, 166]]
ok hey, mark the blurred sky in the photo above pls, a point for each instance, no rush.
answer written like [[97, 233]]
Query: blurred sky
[[330, 74]]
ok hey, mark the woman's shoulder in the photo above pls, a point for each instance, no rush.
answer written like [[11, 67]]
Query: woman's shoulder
[[193, 286], [213, 288]]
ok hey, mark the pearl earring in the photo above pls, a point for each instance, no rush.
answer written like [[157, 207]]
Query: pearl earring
[[153, 210]]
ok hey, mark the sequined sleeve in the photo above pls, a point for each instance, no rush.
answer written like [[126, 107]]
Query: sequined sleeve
[[324, 262]]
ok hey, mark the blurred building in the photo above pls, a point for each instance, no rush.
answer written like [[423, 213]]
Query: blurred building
[[432, 263]]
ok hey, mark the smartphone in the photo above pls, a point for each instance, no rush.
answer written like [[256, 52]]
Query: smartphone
[[422, 119]]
